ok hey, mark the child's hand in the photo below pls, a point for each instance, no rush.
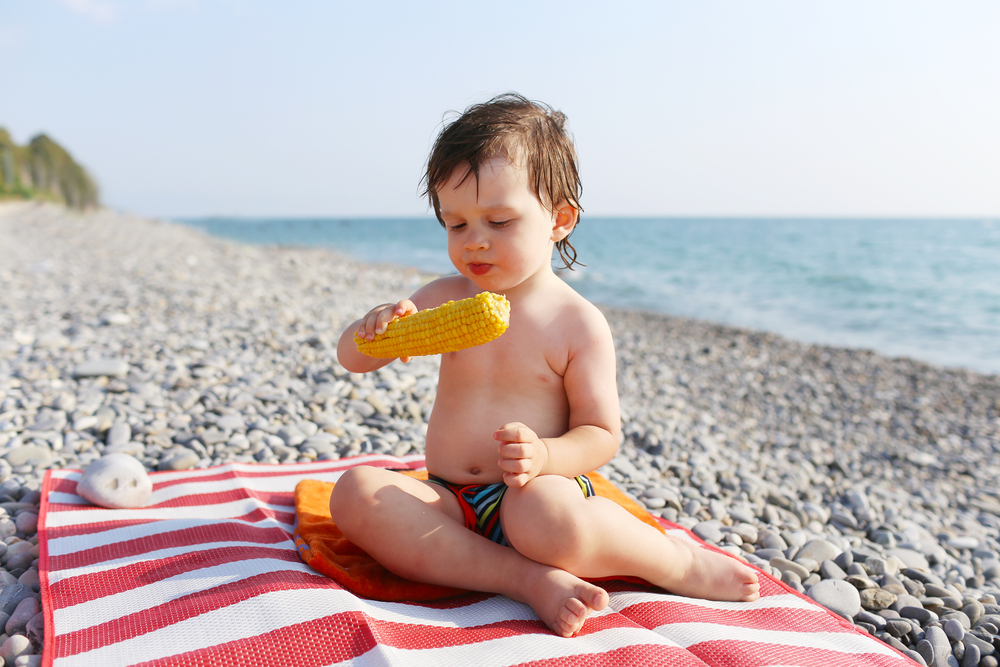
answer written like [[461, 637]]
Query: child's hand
[[378, 319], [522, 453]]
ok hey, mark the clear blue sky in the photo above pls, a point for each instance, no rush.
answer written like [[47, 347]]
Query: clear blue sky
[[240, 107]]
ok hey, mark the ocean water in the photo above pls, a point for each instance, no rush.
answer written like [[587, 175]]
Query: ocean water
[[926, 289]]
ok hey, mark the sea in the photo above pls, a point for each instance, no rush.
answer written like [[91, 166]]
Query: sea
[[924, 289]]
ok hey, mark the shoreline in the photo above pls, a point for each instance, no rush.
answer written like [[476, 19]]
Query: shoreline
[[808, 316], [772, 449]]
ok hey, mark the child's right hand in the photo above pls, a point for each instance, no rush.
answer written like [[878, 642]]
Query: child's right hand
[[378, 318]]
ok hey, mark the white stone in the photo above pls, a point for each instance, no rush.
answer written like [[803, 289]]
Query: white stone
[[98, 367], [116, 481]]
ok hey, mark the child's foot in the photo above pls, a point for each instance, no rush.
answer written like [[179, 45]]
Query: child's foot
[[563, 600], [701, 573]]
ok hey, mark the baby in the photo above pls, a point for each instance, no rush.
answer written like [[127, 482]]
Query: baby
[[518, 421]]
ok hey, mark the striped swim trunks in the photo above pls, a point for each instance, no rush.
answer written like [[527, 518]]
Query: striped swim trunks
[[481, 504]]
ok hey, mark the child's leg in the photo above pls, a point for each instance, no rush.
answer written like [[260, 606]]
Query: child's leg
[[550, 521], [417, 530]]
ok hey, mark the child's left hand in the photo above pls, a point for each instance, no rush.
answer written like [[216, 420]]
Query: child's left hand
[[522, 453]]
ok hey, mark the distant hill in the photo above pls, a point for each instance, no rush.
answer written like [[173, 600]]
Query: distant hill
[[43, 170]]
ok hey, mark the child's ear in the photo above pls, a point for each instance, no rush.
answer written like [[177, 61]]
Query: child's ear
[[564, 218]]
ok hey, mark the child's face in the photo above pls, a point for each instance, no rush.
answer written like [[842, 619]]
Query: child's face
[[500, 236]]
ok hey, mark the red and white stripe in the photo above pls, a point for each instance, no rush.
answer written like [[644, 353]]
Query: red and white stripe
[[207, 574]]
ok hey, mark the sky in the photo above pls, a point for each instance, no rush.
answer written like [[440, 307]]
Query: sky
[[186, 108]]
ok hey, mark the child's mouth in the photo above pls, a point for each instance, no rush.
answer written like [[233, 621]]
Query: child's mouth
[[479, 269]]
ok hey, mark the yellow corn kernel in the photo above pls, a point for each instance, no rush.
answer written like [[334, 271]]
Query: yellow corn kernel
[[450, 327]]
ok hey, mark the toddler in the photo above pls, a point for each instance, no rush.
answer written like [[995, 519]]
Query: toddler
[[517, 421]]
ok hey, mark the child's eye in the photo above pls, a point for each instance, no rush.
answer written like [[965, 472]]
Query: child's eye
[[500, 223], [455, 228]]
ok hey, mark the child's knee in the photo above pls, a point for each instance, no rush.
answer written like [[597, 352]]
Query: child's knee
[[546, 527], [350, 492]]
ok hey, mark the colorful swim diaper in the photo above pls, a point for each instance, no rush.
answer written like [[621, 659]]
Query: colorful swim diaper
[[481, 504]]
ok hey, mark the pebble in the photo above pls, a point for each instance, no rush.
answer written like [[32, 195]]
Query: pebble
[[116, 481], [16, 645], [941, 647], [819, 550], [26, 610], [99, 367], [865, 477], [837, 596], [954, 629]]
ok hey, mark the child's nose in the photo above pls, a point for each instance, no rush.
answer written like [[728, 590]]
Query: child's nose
[[476, 240]]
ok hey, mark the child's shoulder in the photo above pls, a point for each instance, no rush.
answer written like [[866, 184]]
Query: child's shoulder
[[585, 320]]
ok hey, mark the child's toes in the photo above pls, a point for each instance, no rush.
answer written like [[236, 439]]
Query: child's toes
[[594, 597], [573, 611]]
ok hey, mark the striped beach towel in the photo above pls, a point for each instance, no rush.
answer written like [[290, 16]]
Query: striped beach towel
[[208, 575]]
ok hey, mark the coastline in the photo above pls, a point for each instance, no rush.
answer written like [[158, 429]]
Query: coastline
[[760, 444]]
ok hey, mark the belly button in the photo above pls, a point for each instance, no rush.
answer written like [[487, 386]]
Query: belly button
[[475, 471]]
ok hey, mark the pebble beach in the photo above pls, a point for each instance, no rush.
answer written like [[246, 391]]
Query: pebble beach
[[870, 484]]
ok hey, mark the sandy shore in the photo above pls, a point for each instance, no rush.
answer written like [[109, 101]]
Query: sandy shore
[[763, 445]]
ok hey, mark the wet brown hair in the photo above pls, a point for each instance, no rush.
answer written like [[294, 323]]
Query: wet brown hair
[[522, 131]]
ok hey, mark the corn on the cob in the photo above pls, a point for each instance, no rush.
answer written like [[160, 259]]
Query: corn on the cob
[[450, 327]]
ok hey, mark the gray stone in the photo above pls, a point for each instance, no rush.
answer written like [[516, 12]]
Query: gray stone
[[844, 518], [768, 554], [36, 628], [877, 566], [212, 436], [878, 622], [119, 434], [959, 617], [747, 532], [29, 579], [784, 564], [26, 609], [830, 570], [837, 596], [972, 655], [953, 628], [898, 626], [819, 550], [919, 614], [807, 563], [98, 367], [961, 542], [15, 646], [231, 423], [20, 561], [985, 647], [974, 610], [909, 558], [26, 522], [708, 531], [32, 455], [11, 596], [845, 559], [180, 461], [774, 541], [116, 481], [940, 645]]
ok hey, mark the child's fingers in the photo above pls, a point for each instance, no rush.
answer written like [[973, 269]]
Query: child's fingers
[[404, 307], [515, 466], [514, 432], [516, 450], [515, 481]]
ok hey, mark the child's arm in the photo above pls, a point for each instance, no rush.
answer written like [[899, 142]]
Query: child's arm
[[374, 322], [430, 295], [594, 419]]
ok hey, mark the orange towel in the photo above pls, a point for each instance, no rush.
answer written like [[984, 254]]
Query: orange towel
[[324, 548]]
